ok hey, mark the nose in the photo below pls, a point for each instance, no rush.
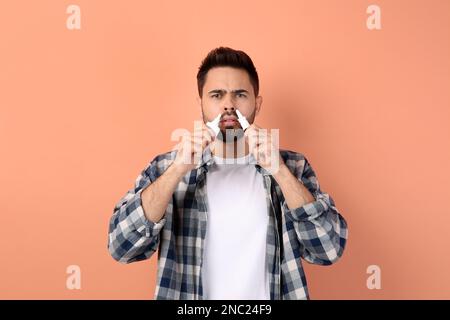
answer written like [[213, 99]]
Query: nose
[[229, 106], [229, 109]]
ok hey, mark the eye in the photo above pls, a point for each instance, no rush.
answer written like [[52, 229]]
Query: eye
[[241, 95], [215, 95]]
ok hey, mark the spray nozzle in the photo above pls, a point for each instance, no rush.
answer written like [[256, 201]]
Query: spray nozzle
[[214, 124], [242, 120]]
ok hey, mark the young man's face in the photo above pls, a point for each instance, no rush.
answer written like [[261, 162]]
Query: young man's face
[[227, 89]]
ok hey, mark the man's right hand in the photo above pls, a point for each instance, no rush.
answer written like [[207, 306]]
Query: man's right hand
[[191, 147]]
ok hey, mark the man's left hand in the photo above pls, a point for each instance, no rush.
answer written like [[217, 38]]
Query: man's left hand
[[264, 148]]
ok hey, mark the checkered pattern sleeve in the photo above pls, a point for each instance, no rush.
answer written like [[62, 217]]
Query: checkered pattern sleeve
[[320, 228], [132, 237]]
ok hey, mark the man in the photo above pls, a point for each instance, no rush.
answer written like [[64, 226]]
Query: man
[[231, 216]]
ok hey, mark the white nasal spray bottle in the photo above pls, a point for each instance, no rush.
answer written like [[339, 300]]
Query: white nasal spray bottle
[[242, 120], [214, 125]]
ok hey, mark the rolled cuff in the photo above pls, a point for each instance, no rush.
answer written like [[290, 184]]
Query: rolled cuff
[[143, 225], [308, 211]]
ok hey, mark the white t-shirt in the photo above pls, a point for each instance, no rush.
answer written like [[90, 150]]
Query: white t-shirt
[[234, 260]]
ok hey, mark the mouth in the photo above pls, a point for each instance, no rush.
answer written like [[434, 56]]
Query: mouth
[[229, 122]]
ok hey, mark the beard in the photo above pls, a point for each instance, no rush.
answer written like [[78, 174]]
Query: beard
[[230, 134]]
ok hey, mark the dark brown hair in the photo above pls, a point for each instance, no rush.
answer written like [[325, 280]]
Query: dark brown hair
[[227, 57]]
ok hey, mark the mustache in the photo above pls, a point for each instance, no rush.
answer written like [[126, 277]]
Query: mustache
[[228, 115]]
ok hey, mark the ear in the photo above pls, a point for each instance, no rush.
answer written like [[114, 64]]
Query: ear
[[258, 102]]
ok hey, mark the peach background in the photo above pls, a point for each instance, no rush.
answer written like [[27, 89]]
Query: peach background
[[82, 112]]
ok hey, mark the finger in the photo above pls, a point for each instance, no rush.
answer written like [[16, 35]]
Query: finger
[[205, 132], [211, 133], [197, 145], [256, 134], [208, 135], [261, 154], [196, 148], [205, 139], [259, 132], [252, 143], [250, 131]]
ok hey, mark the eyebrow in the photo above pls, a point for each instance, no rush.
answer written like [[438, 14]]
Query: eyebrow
[[221, 91]]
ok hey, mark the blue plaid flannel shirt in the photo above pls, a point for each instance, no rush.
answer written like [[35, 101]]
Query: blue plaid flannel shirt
[[316, 231]]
